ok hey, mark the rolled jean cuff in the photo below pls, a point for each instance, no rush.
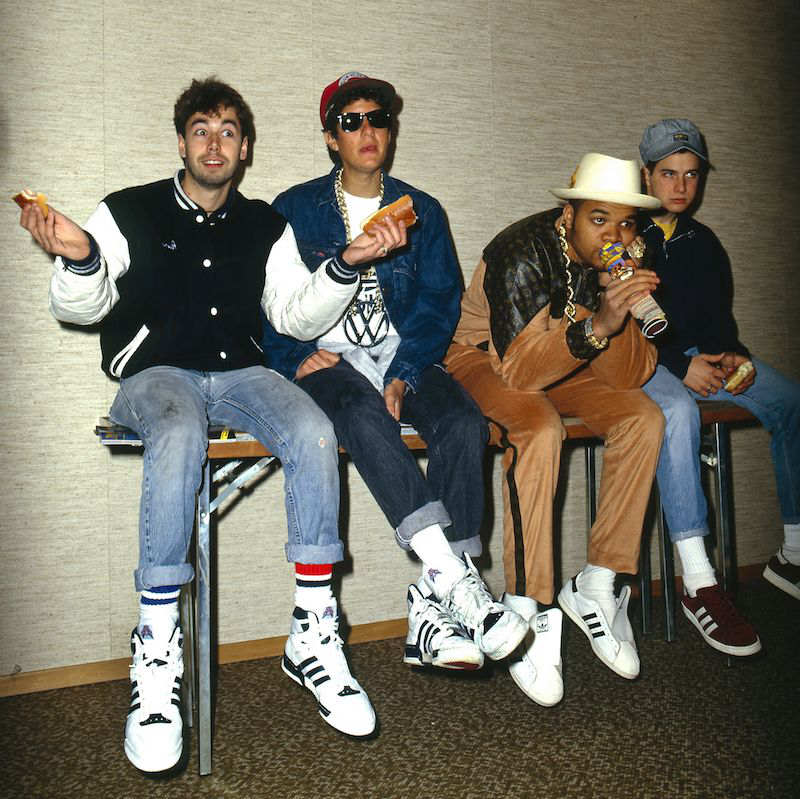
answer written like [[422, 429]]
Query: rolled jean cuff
[[156, 576], [472, 546], [430, 513], [694, 533], [314, 553]]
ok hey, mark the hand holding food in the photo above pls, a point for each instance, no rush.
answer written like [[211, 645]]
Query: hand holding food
[[27, 197]]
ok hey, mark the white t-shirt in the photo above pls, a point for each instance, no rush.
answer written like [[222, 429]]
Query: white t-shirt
[[371, 361]]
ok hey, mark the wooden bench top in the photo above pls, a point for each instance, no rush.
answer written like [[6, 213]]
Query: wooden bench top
[[230, 444]]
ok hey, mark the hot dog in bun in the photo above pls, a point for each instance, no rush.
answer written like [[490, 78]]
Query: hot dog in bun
[[399, 210]]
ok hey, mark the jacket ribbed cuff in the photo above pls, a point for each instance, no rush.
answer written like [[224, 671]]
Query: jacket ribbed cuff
[[88, 265]]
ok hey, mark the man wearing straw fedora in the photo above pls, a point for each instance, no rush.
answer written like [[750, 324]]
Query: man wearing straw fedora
[[546, 333]]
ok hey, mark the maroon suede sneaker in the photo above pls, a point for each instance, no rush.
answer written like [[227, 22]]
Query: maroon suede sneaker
[[722, 626], [783, 575]]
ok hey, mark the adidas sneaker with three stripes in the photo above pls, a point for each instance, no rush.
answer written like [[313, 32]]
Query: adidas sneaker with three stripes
[[716, 618], [496, 629], [154, 727], [435, 638], [314, 658], [611, 639]]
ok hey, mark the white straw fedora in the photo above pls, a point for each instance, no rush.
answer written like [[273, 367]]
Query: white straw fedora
[[601, 177]]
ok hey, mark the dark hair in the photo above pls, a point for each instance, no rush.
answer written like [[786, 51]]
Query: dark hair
[[347, 97], [208, 97]]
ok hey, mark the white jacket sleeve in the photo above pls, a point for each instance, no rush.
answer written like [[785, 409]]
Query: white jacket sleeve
[[85, 299], [298, 303]]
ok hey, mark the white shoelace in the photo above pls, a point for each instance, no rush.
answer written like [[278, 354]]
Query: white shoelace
[[470, 600], [155, 678]]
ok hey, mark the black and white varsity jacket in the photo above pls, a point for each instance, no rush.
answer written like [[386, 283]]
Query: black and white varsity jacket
[[169, 284]]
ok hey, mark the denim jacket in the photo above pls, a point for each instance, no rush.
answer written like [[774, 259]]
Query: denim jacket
[[421, 282]]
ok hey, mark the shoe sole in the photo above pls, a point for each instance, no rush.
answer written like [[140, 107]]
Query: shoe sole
[[163, 763], [413, 657], [531, 696], [781, 582], [577, 619], [728, 649], [291, 671]]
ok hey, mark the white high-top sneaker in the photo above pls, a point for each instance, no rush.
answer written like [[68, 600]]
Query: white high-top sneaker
[[537, 672], [154, 727], [314, 658]]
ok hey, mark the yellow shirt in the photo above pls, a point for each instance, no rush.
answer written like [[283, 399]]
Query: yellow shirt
[[667, 227]]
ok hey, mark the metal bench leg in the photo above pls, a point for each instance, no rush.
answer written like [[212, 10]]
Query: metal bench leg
[[722, 473], [203, 577], [189, 670], [645, 586], [667, 572]]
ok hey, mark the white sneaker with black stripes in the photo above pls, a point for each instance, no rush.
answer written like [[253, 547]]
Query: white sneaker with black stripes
[[154, 727], [435, 638], [314, 658], [611, 638], [496, 629]]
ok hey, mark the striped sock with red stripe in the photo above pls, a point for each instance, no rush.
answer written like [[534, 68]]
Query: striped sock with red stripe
[[313, 583]]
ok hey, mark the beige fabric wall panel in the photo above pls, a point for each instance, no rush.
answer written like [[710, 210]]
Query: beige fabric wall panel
[[500, 100]]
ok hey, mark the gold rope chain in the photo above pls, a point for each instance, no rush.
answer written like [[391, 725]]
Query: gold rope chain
[[569, 308], [355, 309]]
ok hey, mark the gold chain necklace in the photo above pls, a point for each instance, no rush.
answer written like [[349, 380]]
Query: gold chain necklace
[[340, 201], [366, 323], [569, 308]]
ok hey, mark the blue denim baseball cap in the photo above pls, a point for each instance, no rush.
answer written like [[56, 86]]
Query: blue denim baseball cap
[[670, 135]]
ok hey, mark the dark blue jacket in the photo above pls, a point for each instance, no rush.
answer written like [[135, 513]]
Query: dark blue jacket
[[696, 293], [421, 283]]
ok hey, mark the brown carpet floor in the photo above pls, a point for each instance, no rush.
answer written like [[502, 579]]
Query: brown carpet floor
[[690, 726]]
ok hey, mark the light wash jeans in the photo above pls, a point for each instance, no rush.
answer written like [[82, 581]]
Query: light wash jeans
[[171, 409], [773, 398]]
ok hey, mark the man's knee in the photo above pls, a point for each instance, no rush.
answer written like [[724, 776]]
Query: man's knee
[[680, 412], [645, 420]]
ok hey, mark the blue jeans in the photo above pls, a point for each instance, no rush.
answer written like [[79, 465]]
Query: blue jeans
[[451, 425], [171, 410], [773, 398]]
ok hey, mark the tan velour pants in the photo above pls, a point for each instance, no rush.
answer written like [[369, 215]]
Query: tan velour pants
[[632, 426]]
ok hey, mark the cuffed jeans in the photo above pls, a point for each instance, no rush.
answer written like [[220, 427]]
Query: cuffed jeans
[[171, 410], [773, 398], [451, 425]]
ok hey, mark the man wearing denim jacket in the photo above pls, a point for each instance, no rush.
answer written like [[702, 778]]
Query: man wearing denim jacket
[[379, 366]]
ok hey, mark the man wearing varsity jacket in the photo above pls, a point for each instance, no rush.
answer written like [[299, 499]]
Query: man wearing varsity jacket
[[175, 274]]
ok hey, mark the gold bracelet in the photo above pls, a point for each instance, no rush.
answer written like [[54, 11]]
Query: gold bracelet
[[588, 331]]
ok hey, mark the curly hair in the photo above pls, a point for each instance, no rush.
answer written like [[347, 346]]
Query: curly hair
[[209, 96]]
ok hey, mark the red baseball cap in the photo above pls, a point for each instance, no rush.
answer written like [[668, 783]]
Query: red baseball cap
[[352, 80]]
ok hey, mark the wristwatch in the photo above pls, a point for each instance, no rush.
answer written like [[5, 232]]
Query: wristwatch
[[597, 343]]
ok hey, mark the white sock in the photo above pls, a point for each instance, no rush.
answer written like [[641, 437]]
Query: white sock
[[791, 543], [441, 568], [158, 612], [597, 582], [696, 568]]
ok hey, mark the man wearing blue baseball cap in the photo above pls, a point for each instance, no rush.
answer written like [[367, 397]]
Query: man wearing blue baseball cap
[[701, 357]]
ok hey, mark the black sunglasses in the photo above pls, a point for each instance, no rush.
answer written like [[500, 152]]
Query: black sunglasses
[[352, 121]]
